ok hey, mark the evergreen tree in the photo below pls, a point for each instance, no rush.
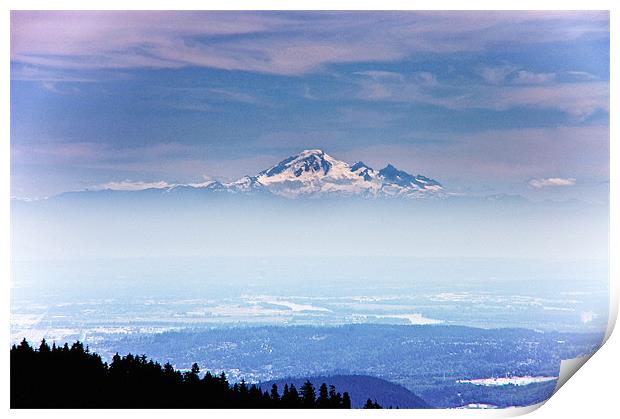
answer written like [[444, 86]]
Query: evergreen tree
[[308, 394], [323, 400], [294, 397], [346, 400], [335, 399], [83, 380], [195, 368], [286, 397], [44, 348], [274, 393], [168, 368]]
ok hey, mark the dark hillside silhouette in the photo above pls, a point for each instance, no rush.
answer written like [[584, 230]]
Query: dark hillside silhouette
[[361, 388], [74, 377]]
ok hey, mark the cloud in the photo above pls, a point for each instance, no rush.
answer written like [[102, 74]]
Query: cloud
[[172, 161], [59, 153], [577, 99], [128, 185], [275, 42], [498, 155], [380, 75], [50, 86], [88, 154], [551, 182], [496, 75], [511, 74], [425, 78], [528, 77], [580, 75], [203, 99], [30, 73], [60, 88]]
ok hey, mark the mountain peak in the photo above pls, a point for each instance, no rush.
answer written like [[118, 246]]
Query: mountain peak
[[360, 165], [312, 152], [403, 179], [310, 162], [389, 169], [313, 173]]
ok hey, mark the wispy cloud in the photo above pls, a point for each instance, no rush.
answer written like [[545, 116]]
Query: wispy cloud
[[40, 74], [30, 73], [203, 99], [528, 77], [580, 75], [496, 74], [348, 82], [512, 74], [552, 182], [275, 42], [529, 90], [88, 153], [507, 155], [380, 75]]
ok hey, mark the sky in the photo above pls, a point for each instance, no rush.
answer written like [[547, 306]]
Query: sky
[[484, 102]]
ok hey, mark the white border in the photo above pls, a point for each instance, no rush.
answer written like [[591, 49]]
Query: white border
[[594, 391]]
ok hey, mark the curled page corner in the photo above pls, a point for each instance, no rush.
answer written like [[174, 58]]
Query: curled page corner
[[568, 367], [517, 411]]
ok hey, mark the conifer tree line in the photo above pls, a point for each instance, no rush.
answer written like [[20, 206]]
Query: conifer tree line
[[74, 377]]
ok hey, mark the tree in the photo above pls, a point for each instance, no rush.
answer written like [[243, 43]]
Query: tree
[[372, 405], [346, 400], [286, 396], [44, 347], [308, 394], [323, 400], [294, 400], [195, 368], [24, 346], [83, 380], [168, 368], [274, 393], [335, 399]]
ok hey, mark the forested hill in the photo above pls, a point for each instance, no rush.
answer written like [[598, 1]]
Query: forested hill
[[74, 377], [362, 388]]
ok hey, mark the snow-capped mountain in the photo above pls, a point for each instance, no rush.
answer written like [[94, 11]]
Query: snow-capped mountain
[[313, 173]]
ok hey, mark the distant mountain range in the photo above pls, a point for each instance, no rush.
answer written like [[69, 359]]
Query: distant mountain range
[[309, 174], [314, 173], [361, 388]]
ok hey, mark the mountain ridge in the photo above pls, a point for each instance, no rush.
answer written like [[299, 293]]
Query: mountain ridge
[[311, 173]]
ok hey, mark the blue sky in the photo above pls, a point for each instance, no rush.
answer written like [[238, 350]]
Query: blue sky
[[501, 102]]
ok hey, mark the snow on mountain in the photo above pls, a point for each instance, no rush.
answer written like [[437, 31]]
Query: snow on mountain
[[208, 185], [313, 173], [362, 170], [399, 182], [246, 184]]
